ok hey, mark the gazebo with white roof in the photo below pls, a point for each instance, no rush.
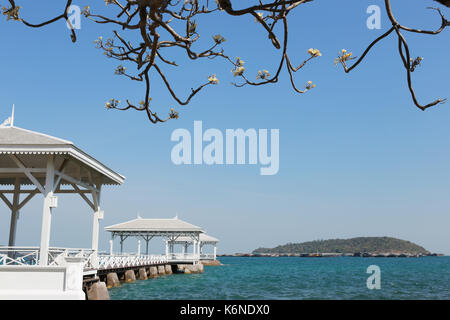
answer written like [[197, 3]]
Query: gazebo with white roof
[[147, 229], [205, 239], [33, 163]]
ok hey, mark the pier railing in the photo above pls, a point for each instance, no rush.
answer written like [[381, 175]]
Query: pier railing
[[115, 261], [19, 256], [93, 260], [29, 256]]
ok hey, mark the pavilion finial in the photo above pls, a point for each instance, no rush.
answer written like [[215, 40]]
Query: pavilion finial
[[138, 215], [10, 121], [12, 117], [176, 216]]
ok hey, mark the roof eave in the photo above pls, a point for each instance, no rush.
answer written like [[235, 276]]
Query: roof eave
[[69, 149], [154, 230]]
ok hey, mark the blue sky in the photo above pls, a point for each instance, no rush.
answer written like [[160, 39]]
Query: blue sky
[[357, 158]]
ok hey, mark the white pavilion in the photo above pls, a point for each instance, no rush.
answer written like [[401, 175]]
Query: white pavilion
[[204, 240], [169, 229], [33, 163]]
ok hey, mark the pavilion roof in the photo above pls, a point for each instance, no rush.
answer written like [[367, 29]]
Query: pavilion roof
[[139, 225], [203, 238], [33, 147], [15, 136]]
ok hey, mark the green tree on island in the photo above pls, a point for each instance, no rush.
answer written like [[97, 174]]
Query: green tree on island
[[354, 245]]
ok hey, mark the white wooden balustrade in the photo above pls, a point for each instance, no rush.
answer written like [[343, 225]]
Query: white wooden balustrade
[[29, 256], [116, 261]]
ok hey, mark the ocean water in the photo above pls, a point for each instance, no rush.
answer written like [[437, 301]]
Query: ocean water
[[300, 278]]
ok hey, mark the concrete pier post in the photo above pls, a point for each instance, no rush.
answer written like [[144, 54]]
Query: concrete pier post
[[98, 291], [153, 272], [130, 276], [112, 280], [161, 270], [168, 269], [142, 274], [196, 268]]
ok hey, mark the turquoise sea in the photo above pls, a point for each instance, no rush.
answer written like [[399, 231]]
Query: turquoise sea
[[300, 278]]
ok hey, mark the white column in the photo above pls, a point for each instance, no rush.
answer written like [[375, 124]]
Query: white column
[[47, 212], [167, 248], [111, 243], [198, 249], [12, 228], [95, 227], [194, 249], [215, 252], [95, 230], [98, 215], [139, 248], [14, 214]]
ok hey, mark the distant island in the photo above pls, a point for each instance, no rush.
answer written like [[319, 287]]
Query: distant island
[[357, 247]]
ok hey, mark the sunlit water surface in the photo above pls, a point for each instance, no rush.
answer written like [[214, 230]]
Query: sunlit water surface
[[300, 278]]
